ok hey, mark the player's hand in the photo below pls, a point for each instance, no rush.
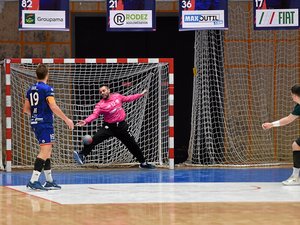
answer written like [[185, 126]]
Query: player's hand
[[70, 124], [267, 126], [144, 92], [81, 123]]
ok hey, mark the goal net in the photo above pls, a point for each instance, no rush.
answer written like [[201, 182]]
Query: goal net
[[243, 78], [76, 84]]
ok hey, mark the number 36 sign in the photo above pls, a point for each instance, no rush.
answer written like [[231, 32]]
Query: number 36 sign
[[203, 14]]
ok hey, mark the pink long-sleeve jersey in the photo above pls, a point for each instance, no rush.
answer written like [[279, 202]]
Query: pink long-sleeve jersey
[[111, 108]]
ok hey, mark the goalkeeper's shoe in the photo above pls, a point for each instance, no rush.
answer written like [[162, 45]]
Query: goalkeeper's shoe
[[52, 185], [291, 181], [146, 165], [36, 186], [79, 158]]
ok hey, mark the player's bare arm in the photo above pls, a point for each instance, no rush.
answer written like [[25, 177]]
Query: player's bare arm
[[26, 107], [57, 111], [279, 123]]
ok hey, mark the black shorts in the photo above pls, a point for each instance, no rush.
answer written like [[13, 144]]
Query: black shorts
[[298, 141]]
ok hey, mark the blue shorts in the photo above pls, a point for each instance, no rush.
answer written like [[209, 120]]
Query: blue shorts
[[44, 133]]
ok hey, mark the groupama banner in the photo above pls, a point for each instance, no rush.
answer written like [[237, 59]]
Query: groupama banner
[[203, 14], [131, 15], [44, 15], [276, 14]]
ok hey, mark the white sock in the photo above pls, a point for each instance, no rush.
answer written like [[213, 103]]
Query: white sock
[[48, 176], [295, 172], [35, 176]]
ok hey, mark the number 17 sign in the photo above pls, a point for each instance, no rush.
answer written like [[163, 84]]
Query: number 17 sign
[[276, 14]]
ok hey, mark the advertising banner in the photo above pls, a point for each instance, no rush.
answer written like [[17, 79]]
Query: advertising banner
[[276, 14], [203, 14], [44, 15], [131, 15]]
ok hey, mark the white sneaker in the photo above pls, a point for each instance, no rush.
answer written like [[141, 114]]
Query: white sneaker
[[291, 181]]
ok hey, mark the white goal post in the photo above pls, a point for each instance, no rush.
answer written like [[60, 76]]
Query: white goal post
[[76, 84]]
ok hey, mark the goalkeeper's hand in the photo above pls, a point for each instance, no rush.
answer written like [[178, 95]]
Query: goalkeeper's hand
[[144, 92], [81, 123]]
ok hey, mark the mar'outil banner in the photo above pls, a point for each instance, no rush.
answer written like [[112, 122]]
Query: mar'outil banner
[[203, 15]]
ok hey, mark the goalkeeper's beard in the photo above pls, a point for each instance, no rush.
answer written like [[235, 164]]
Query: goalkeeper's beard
[[105, 96]]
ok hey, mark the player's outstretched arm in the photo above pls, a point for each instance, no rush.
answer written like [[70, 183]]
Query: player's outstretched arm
[[26, 107], [57, 111], [279, 123]]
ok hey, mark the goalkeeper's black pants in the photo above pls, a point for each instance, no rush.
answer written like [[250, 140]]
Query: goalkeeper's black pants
[[119, 130]]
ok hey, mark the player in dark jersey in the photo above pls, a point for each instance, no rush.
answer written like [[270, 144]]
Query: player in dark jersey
[[294, 178], [40, 105]]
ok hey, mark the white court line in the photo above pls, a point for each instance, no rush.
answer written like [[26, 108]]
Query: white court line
[[169, 192]]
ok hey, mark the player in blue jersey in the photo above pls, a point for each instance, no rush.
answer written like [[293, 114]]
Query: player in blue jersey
[[40, 105], [294, 178]]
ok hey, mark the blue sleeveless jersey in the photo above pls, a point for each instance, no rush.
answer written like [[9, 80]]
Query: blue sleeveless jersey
[[40, 111]]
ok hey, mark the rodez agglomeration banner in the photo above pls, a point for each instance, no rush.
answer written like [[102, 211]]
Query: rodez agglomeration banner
[[44, 15], [203, 14], [276, 14], [131, 15]]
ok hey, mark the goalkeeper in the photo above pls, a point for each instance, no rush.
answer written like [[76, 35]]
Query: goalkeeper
[[114, 124], [294, 178]]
